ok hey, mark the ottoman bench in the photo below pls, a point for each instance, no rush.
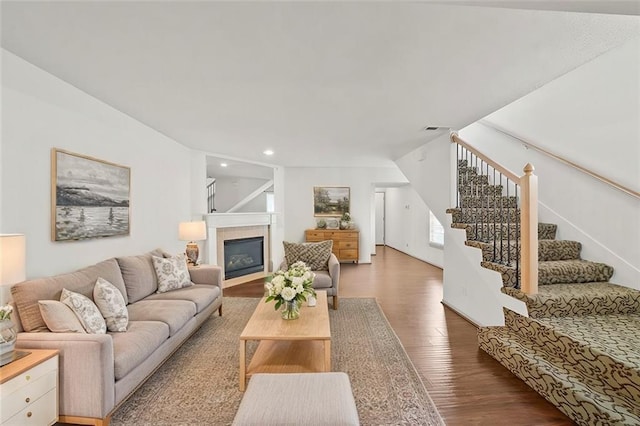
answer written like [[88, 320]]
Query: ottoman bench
[[298, 399]]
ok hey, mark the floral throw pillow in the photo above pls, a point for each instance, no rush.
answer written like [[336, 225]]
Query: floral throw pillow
[[172, 272], [86, 311], [111, 305]]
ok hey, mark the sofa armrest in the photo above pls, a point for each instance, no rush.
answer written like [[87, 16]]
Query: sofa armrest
[[206, 274], [334, 272], [86, 370]]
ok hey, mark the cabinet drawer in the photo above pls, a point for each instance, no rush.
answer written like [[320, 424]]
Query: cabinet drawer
[[44, 411], [348, 254], [317, 236], [346, 236], [29, 376], [347, 244], [25, 396]]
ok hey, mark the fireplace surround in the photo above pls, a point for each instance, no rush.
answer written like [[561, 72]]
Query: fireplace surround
[[222, 227]]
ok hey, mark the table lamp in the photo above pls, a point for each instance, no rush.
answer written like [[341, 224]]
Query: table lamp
[[192, 232], [12, 264]]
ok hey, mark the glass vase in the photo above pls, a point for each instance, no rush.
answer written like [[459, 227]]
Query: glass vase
[[8, 336], [290, 310]]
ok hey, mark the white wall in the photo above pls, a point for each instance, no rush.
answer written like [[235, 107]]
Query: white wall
[[407, 225], [429, 169], [298, 206], [232, 190], [40, 112], [467, 287], [198, 184], [591, 117]]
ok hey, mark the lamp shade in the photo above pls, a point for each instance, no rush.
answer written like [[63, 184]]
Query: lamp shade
[[12, 263], [192, 231]]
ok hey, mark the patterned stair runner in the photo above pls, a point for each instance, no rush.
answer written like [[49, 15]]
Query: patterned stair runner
[[588, 366], [580, 345]]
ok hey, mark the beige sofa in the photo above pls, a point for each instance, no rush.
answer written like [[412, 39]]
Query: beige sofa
[[99, 371]]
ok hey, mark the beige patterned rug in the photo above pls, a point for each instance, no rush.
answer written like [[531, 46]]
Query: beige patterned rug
[[198, 385]]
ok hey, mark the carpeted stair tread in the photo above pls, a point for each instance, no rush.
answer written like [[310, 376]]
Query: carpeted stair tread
[[558, 385], [572, 271], [558, 250], [476, 190], [604, 360], [558, 272], [547, 250], [489, 231], [616, 335], [504, 201], [490, 215], [572, 299]]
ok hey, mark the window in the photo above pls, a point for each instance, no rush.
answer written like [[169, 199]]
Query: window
[[436, 231], [271, 204]]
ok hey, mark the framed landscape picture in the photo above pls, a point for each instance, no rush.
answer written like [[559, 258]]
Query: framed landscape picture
[[89, 197], [331, 200]]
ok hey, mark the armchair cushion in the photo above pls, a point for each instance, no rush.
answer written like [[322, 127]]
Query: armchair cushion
[[315, 255], [322, 280]]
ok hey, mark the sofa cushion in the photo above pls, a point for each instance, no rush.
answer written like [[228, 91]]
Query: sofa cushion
[[172, 273], [314, 255], [139, 275], [137, 344], [86, 311], [322, 280], [175, 313], [59, 317], [111, 304], [27, 294], [201, 295]]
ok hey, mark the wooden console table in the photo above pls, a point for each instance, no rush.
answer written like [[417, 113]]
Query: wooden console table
[[345, 242]]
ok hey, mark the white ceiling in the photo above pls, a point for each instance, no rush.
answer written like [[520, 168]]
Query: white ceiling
[[320, 83]]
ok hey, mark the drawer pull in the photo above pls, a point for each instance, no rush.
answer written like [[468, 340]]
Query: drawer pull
[[27, 400], [29, 414], [28, 377]]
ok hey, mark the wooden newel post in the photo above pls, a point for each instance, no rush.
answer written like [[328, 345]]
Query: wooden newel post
[[529, 231]]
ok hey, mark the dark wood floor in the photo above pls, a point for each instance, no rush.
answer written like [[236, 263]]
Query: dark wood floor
[[467, 385]]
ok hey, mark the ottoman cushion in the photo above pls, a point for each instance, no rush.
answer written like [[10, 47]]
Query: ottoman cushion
[[298, 399]]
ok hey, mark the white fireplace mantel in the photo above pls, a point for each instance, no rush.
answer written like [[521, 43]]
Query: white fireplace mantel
[[230, 220]]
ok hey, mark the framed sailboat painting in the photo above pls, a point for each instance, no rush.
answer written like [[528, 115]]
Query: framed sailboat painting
[[89, 197]]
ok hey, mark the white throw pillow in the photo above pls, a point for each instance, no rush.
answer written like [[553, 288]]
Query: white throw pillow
[[111, 304], [59, 317], [86, 311], [172, 272]]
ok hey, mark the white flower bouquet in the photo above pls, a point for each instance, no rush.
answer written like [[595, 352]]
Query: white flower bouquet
[[292, 285], [5, 312]]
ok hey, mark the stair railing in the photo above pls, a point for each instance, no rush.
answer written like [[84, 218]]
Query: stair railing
[[492, 195], [211, 197]]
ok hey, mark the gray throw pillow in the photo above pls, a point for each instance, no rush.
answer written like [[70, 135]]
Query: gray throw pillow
[[59, 317]]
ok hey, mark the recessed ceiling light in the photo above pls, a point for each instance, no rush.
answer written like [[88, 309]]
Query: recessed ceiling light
[[223, 164], [267, 152]]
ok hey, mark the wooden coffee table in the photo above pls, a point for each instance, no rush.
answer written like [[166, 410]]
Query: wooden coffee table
[[287, 346]]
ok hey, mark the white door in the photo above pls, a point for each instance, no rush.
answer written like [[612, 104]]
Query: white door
[[379, 218]]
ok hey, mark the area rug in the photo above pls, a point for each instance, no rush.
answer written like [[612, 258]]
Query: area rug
[[198, 385]]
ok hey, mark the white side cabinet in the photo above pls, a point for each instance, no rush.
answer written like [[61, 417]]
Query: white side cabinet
[[29, 389]]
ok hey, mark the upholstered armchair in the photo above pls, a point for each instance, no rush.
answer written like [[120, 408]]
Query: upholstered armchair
[[321, 260]]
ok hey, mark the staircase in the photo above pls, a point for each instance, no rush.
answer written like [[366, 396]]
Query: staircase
[[580, 345]]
